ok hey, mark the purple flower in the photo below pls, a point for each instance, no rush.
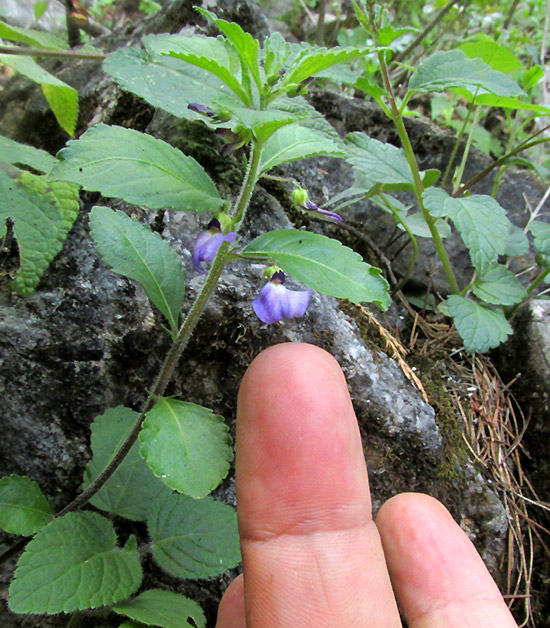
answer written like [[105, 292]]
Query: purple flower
[[276, 302], [208, 242], [301, 200]]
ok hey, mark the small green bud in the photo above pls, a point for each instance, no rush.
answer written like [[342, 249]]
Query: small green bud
[[299, 196]]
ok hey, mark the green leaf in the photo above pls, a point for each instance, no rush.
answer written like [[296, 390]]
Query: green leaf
[[137, 168], [245, 45], [263, 122], [453, 68], [277, 51], [296, 141], [187, 446], [317, 59], [132, 490], [62, 98], [382, 163], [194, 538], [223, 73], [40, 7], [389, 33], [133, 250], [419, 227], [518, 243], [165, 82], [493, 54], [157, 607], [541, 234], [499, 286], [72, 564], [43, 212], [23, 507], [31, 37], [15, 153], [490, 100], [481, 221], [322, 263], [480, 327]]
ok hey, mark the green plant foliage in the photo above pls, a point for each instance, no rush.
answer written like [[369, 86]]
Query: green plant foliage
[[541, 234], [24, 509], [493, 54], [157, 607], [15, 153], [155, 174], [296, 142], [31, 37], [62, 98], [445, 70], [383, 164], [43, 212], [481, 221], [194, 538], [132, 490], [73, 563], [322, 263], [134, 251], [187, 446], [499, 286], [480, 327]]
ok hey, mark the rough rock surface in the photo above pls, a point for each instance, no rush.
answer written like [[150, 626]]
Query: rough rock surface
[[88, 339]]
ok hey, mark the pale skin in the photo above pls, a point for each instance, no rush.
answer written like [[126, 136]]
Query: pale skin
[[313, 557]]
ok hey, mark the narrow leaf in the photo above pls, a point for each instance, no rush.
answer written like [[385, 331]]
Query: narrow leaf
[[499, 286], [134, 251], [43, 212], [157, 607], [187, 446], [62, 98], [138, 168], [31, 37], [541, 234], [132, 490], [72, 564], [23, 507], [322, 263], [317, 59], [480, 327], [245, 45], [481, 221], [194, 538], [453, 68], [223, 73], [13, 152]]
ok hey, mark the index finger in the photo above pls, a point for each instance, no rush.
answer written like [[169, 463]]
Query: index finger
[[312, 555]]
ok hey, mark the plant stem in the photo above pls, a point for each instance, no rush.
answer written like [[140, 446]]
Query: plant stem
[[170, 361], [462, 166], [455, 148], [40, 52], [523, 146], [418, 185], [419, 189]]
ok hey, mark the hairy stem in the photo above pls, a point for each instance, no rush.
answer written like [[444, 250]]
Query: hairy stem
[[40, 52], [170, 362]]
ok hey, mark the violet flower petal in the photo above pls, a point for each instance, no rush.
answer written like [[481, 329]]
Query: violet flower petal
[[275, 302], [207, 245]]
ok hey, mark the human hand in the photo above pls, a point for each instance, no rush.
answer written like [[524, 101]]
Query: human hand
[[312, 555]]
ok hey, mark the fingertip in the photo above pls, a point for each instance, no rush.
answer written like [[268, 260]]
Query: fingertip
[[435, 569], [231, 612], [299, 451]]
